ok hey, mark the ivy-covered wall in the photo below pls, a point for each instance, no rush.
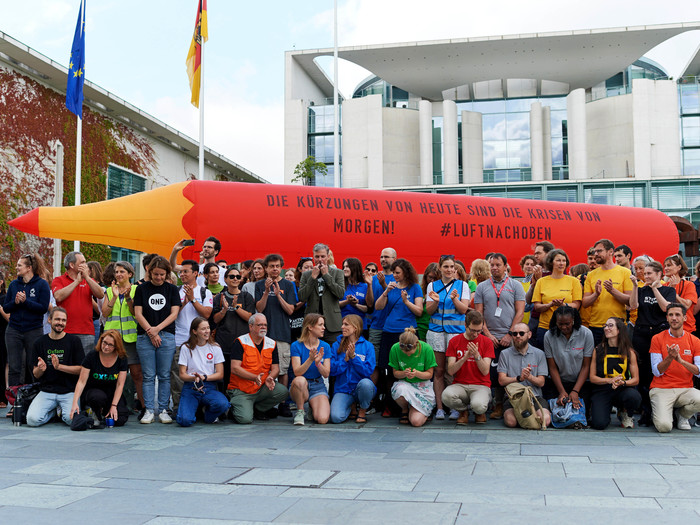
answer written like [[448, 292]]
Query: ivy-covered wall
[[32, 118]]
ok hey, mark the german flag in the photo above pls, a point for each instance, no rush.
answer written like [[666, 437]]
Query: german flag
[[194, 56]]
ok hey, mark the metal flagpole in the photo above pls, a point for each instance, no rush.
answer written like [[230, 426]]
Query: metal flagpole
[[336, 120], [201, 104], [79, 142]]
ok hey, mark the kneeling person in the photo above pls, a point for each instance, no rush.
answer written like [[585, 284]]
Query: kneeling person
[[57, 356], [469, 358], [254, 370], [413, 362], [675, 359], [201, 365], [523, 363]]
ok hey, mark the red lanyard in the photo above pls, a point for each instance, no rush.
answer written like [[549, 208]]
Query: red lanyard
[[498, 292]]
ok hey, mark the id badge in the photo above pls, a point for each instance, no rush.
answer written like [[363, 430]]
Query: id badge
[[498, 312]]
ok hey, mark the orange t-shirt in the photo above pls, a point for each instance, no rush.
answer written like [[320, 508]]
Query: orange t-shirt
[[675, 376]]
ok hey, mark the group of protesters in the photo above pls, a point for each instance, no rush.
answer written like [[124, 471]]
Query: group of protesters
[[329, 341]]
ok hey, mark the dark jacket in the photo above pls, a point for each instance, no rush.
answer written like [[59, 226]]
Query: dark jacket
[[27, 315]]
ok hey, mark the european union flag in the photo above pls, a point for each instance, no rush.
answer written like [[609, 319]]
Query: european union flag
[[76, 67]]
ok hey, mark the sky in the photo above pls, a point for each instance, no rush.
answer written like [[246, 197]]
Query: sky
[[136, 49]]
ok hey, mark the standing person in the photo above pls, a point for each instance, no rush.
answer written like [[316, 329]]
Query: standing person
[[257, 273], [607, 289], [96, 274], [212, 278], [210, 249], [542, 249], [413, 363], [358, 290], [639, 264], [74, 291], [568, 347], [311, 362], [379, 284], [447, 302], [591, 259], [118, 310], [623, 256], [4, 318], [675, 270], [232, 310], [297, 318], [403, 300], [352, 363], [527, 265], [651, 302], [614, 375], [430, 274], [322, 288], [56, 357], [553, 291], [245, 268], [101, 381], [469, 359], [275, 297], [201, 365], [289, 275], [196, 302], [675, 359], [501, 301], [254, 389], [26, 302], [156, 305]]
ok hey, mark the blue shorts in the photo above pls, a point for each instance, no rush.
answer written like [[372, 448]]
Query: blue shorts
[[317, 387]]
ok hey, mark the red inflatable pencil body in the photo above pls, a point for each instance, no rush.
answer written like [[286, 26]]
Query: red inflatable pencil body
[[252, 220]]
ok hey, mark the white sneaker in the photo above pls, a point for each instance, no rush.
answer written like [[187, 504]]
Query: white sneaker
[[299, 417], [440, 414], [454, 415], [682, 423], [626, 420], [164, 417], [148, 417]]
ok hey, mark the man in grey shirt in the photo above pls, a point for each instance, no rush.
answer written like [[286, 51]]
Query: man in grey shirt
[[501, 300], [568, 347], [523, 363]]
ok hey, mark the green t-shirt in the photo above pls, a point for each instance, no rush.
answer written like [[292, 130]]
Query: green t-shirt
[[422, 359]]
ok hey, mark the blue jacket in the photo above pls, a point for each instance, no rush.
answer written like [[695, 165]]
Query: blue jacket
[[348, 373], [28, 315]]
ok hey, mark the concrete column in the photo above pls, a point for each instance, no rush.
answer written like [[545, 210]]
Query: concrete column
[[450, 143], [547, 142], [536, 152], [578, 149], [425, 127], [472, 148]]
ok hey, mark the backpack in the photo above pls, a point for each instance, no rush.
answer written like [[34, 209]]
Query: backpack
[[567, 416], [525, 405]]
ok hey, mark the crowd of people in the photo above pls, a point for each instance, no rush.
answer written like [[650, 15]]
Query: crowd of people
[[208, 341]]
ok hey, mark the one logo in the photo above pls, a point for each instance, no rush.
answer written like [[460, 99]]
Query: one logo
[[210, 356], [156, 302]]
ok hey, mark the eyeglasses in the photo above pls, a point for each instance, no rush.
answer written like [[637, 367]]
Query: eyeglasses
[[406, 346], [474, 331], [521, 333], [108, 345], [233, 276]]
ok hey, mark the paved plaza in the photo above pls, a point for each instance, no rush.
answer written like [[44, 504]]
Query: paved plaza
[[379, 472]]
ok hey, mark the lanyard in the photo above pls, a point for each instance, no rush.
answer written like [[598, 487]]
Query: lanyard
[[498, 292]]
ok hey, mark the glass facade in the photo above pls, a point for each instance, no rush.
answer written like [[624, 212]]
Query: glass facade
[[689, 102], [321, 142]]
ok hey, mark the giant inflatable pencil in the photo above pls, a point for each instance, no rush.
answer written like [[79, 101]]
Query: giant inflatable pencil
[[252, 220]]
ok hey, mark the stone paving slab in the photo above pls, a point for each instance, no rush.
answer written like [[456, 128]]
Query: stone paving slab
[[373, 481], [286, 477], [45, 496]]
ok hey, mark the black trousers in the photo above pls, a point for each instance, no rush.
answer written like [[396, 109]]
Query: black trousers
[[100, 403], [604, 397]]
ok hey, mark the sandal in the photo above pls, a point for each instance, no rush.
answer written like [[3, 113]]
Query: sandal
[[361, 416], [404, 418]]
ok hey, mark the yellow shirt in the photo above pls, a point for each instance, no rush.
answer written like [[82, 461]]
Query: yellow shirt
[[606, 306], [549, 288]]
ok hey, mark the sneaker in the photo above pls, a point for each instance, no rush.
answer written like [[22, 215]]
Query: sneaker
[[299, 417], [164, 417], [440, 414], [284, 410], [626, 420], [454, 415], [683, 423], [148, 417], [371, 410]]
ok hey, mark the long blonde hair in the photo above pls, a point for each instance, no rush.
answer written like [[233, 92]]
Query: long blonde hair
[[309, 321]]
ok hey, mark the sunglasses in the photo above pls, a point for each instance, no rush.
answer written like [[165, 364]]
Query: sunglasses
[[405, 346], [371, 270], [233, 276], [521, 334]]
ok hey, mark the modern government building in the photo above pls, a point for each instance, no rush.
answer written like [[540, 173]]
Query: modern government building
[[572, 116]]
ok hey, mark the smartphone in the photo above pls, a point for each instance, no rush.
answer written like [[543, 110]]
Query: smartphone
[[188, 242]]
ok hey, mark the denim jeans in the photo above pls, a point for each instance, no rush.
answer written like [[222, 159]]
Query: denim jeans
[[19, 348], [44, 406], [214, 402], [156, 362], [340, 405]]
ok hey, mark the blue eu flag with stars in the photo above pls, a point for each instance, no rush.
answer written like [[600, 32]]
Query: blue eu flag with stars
[[76, 67]]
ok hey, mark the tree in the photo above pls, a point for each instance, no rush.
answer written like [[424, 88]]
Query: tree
[[307, 169]]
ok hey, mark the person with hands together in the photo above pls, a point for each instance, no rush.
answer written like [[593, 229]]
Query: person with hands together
[[413, 362], [675, 360], [311, 362], [200, 366], [352, 364], [156, 307], [101, 381], [614, 375], [358, 290], [675, 271]]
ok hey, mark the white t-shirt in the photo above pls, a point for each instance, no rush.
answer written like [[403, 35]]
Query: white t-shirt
[[466, 293], [201, 278], [188, 313], [202, 359]]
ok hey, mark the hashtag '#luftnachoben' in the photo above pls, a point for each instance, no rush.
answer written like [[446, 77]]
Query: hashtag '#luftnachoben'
[[445, 230]]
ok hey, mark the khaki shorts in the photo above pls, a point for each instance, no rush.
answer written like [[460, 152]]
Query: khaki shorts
[[284, 354]]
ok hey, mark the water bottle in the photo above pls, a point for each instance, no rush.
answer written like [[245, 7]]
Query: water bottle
[[17, 412]]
